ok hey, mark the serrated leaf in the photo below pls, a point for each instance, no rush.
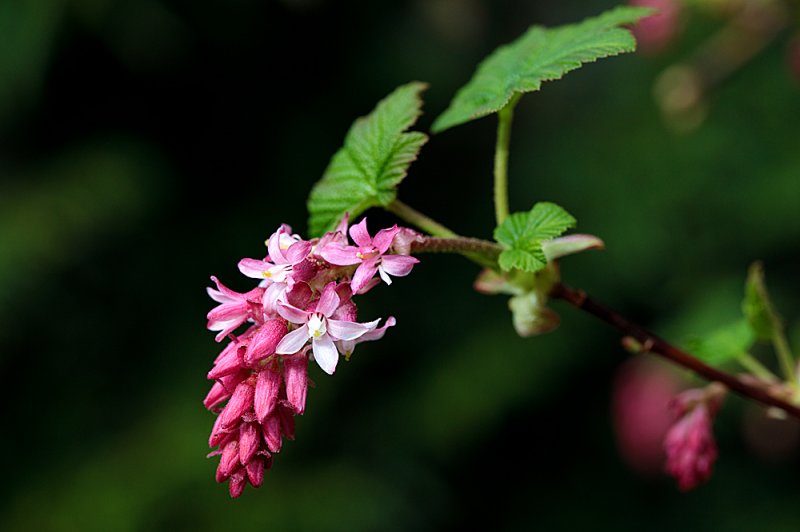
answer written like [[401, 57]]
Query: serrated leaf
[[757, 308], [725, 344], [522, 234], [541, 54], [375, 158]]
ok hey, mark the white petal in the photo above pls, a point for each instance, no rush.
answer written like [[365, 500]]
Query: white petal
[[293, 342], [325, 353], [349, 330], [384, 275]]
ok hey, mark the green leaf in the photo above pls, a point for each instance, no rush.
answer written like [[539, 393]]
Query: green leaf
[[757, 308], [522, 234], [375, 158], [725, 344], [541, 54]]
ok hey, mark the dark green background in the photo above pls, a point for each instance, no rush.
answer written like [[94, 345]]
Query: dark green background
[[146, 145]]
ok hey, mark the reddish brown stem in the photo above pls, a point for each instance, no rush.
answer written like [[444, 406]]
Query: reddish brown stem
[[657, 345], [457, 244]]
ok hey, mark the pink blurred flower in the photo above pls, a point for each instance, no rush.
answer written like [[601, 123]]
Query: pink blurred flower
[[656, 32], [793, 57], [643, 389]]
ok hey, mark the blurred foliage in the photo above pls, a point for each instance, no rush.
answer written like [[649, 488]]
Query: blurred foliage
[[145, 145]]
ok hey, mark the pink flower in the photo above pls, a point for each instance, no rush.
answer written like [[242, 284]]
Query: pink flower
[[369, 254], [689, 444], [337, 236], [234, 308], [321, 329], [285, 251]]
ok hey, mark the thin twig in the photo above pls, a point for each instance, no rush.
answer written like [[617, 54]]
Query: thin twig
[[657, 345]]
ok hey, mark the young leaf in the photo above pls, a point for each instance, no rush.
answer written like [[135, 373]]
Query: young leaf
[[570, 244], [725, 344], [375, 158], [530, 316], [541, 54], [522, 234], [757, 308]]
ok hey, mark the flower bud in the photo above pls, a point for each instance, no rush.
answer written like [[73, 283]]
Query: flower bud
[[404, 239], [248, 442], [287, 422], [255, 471], [690, 446], [295, 374], [268, 385], [691, 450], [263, 342], [241, 401], [530, 316], [271, 428], [227, 364], [228, 461], [237, 483]]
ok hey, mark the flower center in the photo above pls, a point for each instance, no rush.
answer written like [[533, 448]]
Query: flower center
[[367, 253], [316, 325], [277, 273]]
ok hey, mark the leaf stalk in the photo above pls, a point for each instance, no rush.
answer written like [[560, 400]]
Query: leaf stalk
[[784, 355], [504, 118], [419, 220]]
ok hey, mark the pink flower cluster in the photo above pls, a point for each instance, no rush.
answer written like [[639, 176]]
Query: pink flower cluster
[[654, 424], [302, 309]]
